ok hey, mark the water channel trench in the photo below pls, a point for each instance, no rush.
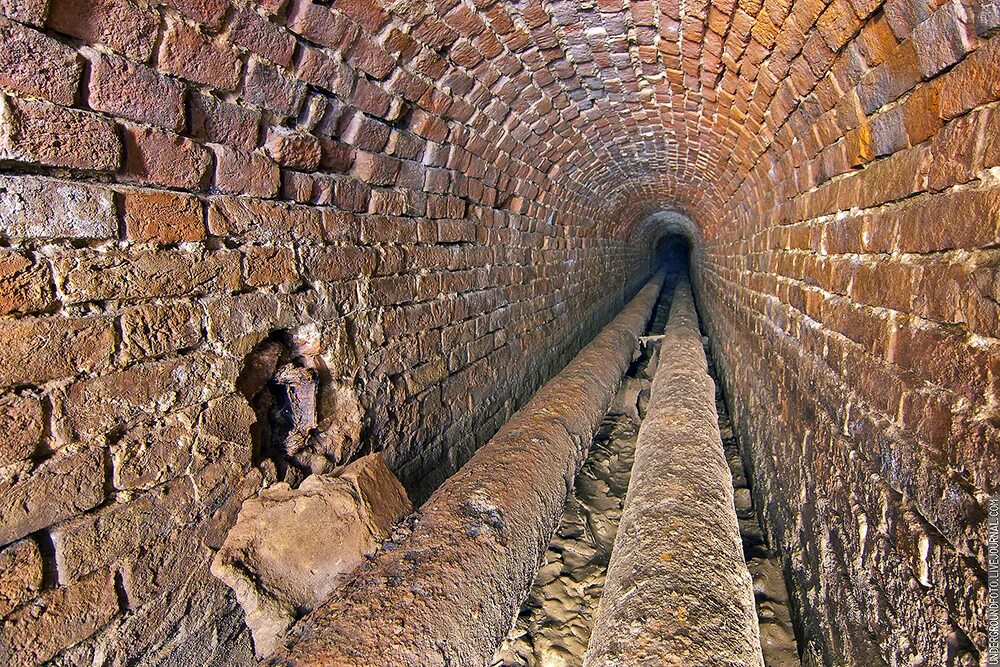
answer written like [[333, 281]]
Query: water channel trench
[[555, 622]]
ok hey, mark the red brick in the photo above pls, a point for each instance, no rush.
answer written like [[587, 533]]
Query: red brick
[[318, 24], [889, 80], [37, 65], [135, 92], [41, 133], [162, 158], [25, 285], [270, 87], [293, 149], [74, 345], [127, 28], [972, 82], [255, 33], [323, 71], [365, 133], [371, 59], [32, 12], [38, 207], [954, 152], [270, 266], [838, 24], [209, 12], [191, 55], [375, 169], [944, 38], [367, 13], [162, 217], [22, 424], [263, 221], [224, 123], [242, 173]]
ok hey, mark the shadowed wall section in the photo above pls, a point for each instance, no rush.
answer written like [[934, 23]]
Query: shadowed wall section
[[430, 207]]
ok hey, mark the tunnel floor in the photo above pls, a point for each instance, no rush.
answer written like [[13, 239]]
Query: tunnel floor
[[555, 622]]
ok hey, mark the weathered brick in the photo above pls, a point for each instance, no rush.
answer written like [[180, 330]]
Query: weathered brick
[[240, 173], [150, 330], [224, 123], [263, 221], [255, 33], [25, 283], [944, 38], [41, 133], [270, 266], [61, 617], [971, 82], [37, 207], [144, 272], [319, 69], [32, 12], [371, 59], [270, 87], [33, 498], [135, 92], [158, 157], [162, 217], [209, 12], [97, 405], [127, 28], [318, 24], [191, 55], [35, 64], [21, 425], [106, 537], [375, 169], [333, 263], [71, 346], [20, 574], [289, 148]]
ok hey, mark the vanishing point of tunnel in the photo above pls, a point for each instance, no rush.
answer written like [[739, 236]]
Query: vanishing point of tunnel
[[500, 333]]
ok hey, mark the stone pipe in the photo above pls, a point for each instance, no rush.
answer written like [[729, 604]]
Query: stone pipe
[[678, 591], [445, 587]]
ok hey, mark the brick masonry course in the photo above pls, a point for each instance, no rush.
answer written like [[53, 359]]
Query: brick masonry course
[[453, 198]]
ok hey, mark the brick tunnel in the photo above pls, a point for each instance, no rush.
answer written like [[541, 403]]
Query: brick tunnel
[[320, 321]]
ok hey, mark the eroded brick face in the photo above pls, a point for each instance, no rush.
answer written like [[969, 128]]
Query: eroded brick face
[[442, 201]]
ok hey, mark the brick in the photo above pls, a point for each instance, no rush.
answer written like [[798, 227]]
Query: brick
[[371, 59], [158, 157], [20, 574], [332, 263], [40, 133], [255, 33], [95, 406], [191, 55], [32, 12], [375, 169], [889, 80], [366, 13], [270, 266], [162, 217], [240, 173], [270, 87], [34, 498], [296, 150], [61, 617], [143, 272], [21, 426], [26, 284], [36, 65], [120, 25], [318, 24], [365, 133], [323, 71], [944, 38], [954, 152], [224, 123], [972, 217], [117, 532], [152, 330], [38, 207], [263, 221], [135, 92], [838, 24], [972, 82], [43, 349], [209, 12]]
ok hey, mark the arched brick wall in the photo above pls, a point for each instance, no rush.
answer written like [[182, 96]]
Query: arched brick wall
[[450, 198]]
